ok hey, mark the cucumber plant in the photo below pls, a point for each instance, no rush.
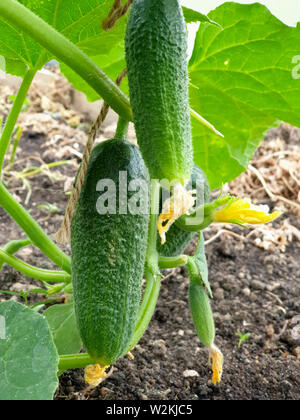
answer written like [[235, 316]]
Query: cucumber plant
[[106, 280], [210, 111]]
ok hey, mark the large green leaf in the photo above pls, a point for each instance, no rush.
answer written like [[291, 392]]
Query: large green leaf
[[28, 357], [62, 322], [81, 22], [77, 20], [112, 61], [241, 81]]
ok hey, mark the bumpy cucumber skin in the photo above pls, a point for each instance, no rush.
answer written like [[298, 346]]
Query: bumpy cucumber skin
[[178, 239], [157, 66], [108, 255], [201, 313]]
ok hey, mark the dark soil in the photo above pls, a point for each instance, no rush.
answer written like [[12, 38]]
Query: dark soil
[[254, 290]]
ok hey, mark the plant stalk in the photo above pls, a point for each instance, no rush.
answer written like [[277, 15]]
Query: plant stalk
[[63, 49], [172, 262], [15, 146], [14, 112], [153, 275], [33, 230], [34, 272], [74, 361], [122, 129], [13, 247]]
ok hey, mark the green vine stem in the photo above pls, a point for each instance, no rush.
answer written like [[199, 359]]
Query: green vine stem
[[152, 273], [152, 254], [34, 272], [14, 113], [147, 308], [62, 48], [172, 262], [74, 361], [33, 230], [15, 145], [193, 271], [122, 129], [13, 247]]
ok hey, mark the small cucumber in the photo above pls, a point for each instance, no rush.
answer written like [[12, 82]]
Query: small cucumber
[[157, 66], [201, 313], [204, 323], [178, 239], [201, 310], [108, 253]]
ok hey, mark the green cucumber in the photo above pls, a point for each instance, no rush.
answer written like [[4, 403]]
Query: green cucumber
[[178, 239], [201, 313], [108, 254], [157, 66]]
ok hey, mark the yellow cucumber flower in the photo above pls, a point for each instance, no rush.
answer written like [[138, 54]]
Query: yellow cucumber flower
[[178, 204], [95, 374], [242, 211], [216, 358]]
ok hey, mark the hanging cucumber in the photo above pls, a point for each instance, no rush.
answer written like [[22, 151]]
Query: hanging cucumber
[[204, 323], [201, 311], [157, 66], [177, 239], [108, 251]]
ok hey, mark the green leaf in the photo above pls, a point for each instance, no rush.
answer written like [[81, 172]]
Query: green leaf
[[191, 16], [112, 60], [241, 82], [201, 262], [28, 357], [62, 322], [79, 21]]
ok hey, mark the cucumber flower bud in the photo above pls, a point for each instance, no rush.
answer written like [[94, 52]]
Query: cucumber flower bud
[[241, 211]]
